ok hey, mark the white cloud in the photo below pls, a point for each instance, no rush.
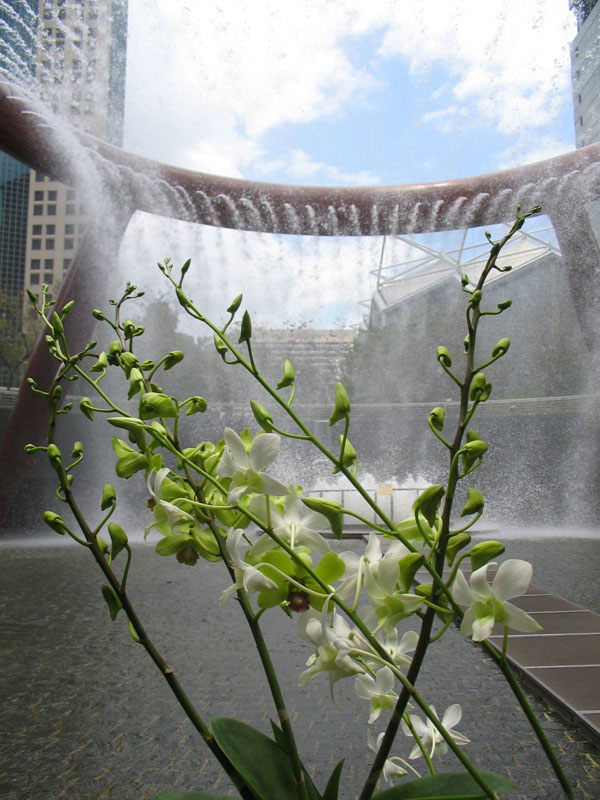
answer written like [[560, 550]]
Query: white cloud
[[529, 148], [507, 60], [301, 168]]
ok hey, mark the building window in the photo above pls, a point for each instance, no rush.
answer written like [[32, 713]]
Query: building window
[[38, 211], [69, 244], [70, 208], [70, 194], [51, 211], [581, 122], [48, 263], [37, 196], [69, 230], [35, 263], [52, 195], [36, 244], [34, 279], [578, 98], [50, 230], [66, 263], [48, 277], [49, 244], [37, 230], [40, 177]]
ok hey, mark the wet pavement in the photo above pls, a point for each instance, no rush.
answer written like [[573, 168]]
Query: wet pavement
[[85, 715]]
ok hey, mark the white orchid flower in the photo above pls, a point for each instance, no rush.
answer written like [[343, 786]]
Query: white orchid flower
[[378, 690], [372, 563], [394, 767], [397, 649], [246, 576], [487, 604], [429, 735], [296, 529], [175, 516], [333, 647], [246, 469]]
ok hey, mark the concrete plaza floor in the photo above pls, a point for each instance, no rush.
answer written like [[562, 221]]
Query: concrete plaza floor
[[85, 715]]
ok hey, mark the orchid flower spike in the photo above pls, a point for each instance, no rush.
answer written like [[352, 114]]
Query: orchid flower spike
[[429, 735]]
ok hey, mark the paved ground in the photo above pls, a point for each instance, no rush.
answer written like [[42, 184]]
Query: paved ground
[[85, 715]]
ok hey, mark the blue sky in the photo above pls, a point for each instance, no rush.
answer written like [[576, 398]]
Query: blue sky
[[342, 92]]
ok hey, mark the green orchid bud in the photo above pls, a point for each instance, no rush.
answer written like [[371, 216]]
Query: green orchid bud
[[474, 504], [102, 545], [112, 601], [85, 406], [456, 543], [289, 375], [55, 521], [220, 346], [424, 590], [114, 351], [129, 460], [475, 298], [443, 356], [504, 305], [126, 423], [475, 448], [246, 328], [342, 404], [154, 404], [147, 365], [466, 344], [128, 329], [97, 314], [183, 300], [330, 509], [66, 308], [409, 565], [196, 405], [109, 497], [172, 358], [235, 305], [428, 503], [262, 416], [478, 385], [501, 348], [128, 362], [464, 280], [32, 296], [54, 455], [136, 382], [57, 325], [484, 552], [77, 451], [118, 539], [101, 364], [349, 453], [436, 417]]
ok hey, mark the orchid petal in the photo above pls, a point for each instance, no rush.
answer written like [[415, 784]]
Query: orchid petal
[[237, 449], [482, 627], [512, 580], [479, 583], [461, 591], [517, 619], [264, 451]]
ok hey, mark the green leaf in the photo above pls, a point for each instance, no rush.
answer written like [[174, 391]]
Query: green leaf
[[264, 766], [190, 796], [313, 792], [333, 784], [330, 568], [447, 786]]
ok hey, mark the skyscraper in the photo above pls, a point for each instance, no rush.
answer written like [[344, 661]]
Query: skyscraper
[[80, 76], [585, 71]]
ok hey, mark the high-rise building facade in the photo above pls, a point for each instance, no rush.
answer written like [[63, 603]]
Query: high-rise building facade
[[80, 76], [585, 71]]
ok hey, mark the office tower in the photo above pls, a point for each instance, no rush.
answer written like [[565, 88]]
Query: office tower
[[585, 71], [80, 76]]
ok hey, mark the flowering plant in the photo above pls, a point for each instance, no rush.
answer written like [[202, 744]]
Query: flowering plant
[[215, 502]]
